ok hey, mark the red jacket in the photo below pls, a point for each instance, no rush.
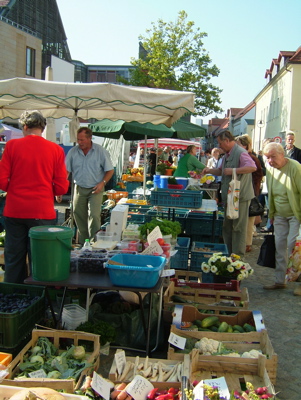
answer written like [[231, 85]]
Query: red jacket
[[32, 172]]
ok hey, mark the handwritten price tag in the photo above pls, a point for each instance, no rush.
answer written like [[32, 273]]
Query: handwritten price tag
[[40, 373], [101, 386], [139, 388], [154, 235], [177, 341], [221, 384], [120, 361], [154, 247], [198, 391]]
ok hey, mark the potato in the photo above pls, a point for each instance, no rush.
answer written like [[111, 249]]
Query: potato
[[32, 393]]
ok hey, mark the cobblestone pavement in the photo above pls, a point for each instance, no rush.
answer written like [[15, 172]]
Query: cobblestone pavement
[[281, 314]]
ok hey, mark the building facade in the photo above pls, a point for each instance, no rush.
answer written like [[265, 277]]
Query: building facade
[[21, 51], [278, 104]]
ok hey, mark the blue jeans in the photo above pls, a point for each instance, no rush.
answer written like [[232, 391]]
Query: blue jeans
[[17, 246]]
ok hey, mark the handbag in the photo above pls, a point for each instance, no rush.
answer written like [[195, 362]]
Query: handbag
[[255, 208], [266, 256], [233, 197]]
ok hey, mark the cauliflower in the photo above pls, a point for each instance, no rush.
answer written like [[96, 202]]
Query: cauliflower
[[251, 354], [231, 354], [207, 346]]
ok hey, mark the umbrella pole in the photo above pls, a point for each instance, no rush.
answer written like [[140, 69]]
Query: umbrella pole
[[144, 167]]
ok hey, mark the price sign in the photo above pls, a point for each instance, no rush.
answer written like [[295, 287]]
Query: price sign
[[101, 386], [139, 388], [198, 391], [154, 247], [40, 373], [167, 272], [154, 235], [222, 386], [120, 361], [177, 341]]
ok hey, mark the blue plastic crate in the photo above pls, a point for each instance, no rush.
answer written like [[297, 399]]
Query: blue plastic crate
[[199, 256], [180, 259], [178, 215], [136, 218], [141, 271], [176, 198], [201, 223], [131, 186]]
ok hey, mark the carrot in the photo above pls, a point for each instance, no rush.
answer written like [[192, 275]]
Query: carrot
[[118, 388], [122, 395]]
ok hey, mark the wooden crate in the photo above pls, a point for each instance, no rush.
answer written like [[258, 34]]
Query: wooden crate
[[256, 374], [187, 313], [239, 342], [113, 374], [2, 255], [7, 391], [56, 337], [207, 299]]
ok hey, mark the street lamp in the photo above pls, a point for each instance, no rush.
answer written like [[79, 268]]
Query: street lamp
[[260, 125]]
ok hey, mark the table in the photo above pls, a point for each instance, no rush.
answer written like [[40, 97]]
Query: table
[[101, 281]]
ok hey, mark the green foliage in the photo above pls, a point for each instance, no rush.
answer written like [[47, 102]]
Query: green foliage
[[105, 330], [175, 58], [167, 227]]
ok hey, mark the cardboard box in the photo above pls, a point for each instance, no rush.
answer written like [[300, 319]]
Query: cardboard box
[[256, 373], [238, 342], [56, 337], [118, 220], [207, 299], [190, 314], [114, 377]]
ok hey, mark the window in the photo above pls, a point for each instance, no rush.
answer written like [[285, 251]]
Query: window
[[30, 61]]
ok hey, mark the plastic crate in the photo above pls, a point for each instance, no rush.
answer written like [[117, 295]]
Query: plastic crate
[[202, 223], [180, 259], [131, 186], [198, 256], [14, 327], [142, 271], [172, 215], [136, 218], [177, 198]]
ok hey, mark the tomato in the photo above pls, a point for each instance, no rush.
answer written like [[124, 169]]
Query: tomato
[[161, 241]]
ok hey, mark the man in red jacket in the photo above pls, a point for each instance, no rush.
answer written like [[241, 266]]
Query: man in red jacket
[[32, 172]]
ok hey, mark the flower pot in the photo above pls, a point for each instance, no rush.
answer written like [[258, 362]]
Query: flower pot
[[169, 171]]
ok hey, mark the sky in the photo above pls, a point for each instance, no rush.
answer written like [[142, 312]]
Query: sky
[[243, 36]]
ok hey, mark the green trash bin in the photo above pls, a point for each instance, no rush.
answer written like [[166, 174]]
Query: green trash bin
[[50, 252]]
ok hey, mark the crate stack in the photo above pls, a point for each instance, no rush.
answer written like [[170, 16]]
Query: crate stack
[[190, 305]]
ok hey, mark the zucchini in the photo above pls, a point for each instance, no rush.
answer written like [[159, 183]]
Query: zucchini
[[249, 328], [230, 329], [177, 299], [198, 323], [209, 321], [223, 327], [238, 328], [214, 328]]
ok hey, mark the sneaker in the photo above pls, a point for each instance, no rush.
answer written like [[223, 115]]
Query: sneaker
[[275, 286], [297, 291]]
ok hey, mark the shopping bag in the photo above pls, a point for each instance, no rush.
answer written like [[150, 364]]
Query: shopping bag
[[294, 264], [266, 256], [255, 208], [233, 197]]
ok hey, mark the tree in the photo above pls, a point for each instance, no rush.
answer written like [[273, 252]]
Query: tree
[[173, 57]]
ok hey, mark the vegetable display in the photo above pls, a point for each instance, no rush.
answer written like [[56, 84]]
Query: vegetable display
[[105, 330], [37, 393], [67, 365], [166, 227], [14, 302]]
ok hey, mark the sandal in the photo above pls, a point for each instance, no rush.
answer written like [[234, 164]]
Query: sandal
[[248, 249]]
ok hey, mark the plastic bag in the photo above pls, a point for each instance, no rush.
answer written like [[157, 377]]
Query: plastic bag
[[233, 197], [294, 264]]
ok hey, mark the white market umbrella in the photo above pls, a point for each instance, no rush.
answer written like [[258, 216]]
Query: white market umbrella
[[93, 100]]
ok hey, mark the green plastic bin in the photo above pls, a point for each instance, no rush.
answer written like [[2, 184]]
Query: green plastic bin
[[50, 252]]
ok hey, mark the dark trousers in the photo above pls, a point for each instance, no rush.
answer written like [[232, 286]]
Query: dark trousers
[[17, 246]]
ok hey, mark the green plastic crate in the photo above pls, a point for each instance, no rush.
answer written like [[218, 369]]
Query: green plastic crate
[[14, 327]]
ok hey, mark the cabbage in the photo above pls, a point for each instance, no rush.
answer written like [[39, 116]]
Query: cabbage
[[34, 359], [79, 352]]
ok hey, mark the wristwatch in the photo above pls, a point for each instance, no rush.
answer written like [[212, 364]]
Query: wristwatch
[[104, 181]]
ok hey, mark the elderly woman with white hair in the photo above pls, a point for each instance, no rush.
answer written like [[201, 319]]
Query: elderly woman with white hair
[[284, 187]]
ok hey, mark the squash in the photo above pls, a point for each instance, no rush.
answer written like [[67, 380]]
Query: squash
[[41, 392]]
